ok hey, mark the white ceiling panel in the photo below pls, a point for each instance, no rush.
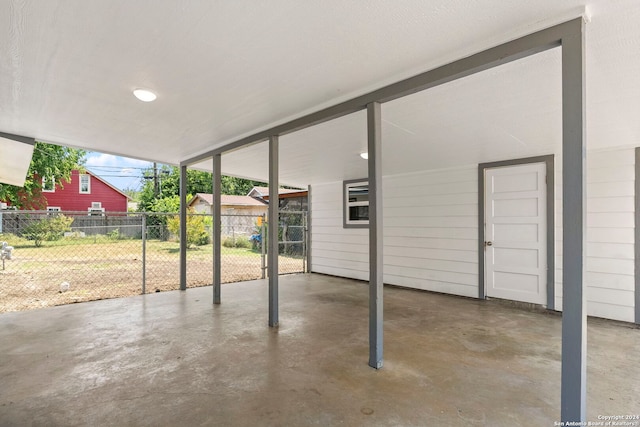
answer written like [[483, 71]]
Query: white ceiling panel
[[224, 70], [445, 126]]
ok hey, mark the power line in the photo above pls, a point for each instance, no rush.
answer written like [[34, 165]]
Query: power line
[[119, 176], [117, 167]]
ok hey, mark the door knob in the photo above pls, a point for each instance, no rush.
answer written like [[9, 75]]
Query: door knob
[[488, 243]]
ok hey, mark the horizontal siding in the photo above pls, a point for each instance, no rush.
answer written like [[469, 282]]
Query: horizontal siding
[[430, 232], [439, 199], [341, 272], [610, 189], [431, 243], [69, 198], [434, 286], [610, 261], [336, 250], [610, 266]]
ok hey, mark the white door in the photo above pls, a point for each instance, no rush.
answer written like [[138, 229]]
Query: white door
[[515, 233]]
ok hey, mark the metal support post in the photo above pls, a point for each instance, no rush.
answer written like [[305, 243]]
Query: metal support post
[[374, 132], [144, 253], [308, 243], [183, 228], [272, 253], [637, 237], [574, 316], [263, 241], [217, 227]]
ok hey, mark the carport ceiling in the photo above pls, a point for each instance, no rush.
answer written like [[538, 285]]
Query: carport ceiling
[[223, 70]]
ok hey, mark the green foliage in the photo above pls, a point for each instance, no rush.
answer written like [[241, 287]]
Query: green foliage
[[49, 229], [166, 204], [197, 233], [197, 182], [238, 186], [50, 161], [236, 242], [132, 193], [114, 234]]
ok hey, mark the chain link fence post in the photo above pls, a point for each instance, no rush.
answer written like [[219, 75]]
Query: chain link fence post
[[263, 262], [304, 243], [66, 257]]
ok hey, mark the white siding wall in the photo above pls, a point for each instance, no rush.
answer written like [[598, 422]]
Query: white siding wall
[[430, 221], [336, 250], [610, 234]]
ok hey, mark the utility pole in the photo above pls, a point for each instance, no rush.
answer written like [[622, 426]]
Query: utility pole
[[156, 183]]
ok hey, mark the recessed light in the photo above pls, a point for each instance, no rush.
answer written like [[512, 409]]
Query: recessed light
[[364, 155], [144, 95]]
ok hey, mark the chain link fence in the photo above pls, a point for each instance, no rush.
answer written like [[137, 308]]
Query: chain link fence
[[54, 258]]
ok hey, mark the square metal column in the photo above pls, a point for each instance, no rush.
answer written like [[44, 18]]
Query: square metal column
[[183, 227], [272, 255], [217, 226], [374, 131], [574, 316]]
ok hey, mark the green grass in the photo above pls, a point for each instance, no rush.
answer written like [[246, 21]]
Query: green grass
[[104, 254], [101, 267], [76, 246], [21, 243]]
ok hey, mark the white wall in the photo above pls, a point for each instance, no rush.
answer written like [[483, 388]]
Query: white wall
[[430, 239], [610, 234], [336, 250], [430, 222]]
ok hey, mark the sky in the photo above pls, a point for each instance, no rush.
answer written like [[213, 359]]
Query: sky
[[121, 172]]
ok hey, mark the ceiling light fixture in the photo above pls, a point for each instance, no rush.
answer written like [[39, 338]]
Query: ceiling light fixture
[[364, 155], [144, 95]]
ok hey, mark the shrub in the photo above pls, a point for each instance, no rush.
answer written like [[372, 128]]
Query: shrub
[[243, 242], [48, 229], [238, 242], [197, 234]]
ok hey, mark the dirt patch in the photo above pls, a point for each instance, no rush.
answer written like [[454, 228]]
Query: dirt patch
[[37, 277]]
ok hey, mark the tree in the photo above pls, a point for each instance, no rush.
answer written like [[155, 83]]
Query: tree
[[53, 162], [166, 204], [238, 186], [197, 182], [133, 193]]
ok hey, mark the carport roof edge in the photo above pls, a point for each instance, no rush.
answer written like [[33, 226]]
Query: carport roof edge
[[513, 50]]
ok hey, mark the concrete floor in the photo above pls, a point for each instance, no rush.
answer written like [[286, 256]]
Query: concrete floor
[[172, 359]]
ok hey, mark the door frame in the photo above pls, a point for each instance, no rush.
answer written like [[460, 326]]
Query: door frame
[[548, 160]]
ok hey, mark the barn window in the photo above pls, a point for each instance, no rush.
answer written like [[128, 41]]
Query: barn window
[[356, 203], [85, 184]]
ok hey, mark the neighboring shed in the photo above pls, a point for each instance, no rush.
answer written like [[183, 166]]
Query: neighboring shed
[[231, 205], [289, 199]]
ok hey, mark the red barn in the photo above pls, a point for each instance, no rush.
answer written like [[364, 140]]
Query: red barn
[[85, 192]]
